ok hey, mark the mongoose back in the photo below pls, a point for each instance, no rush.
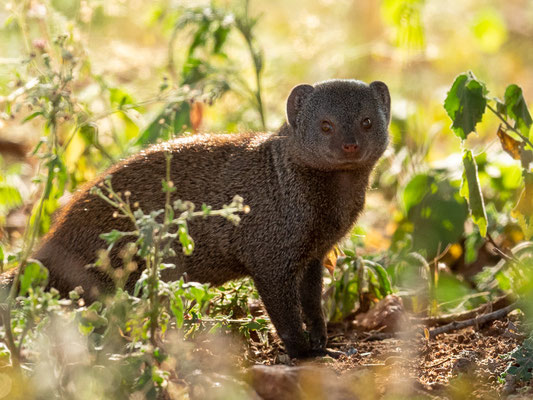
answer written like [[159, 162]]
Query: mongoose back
[[305, 186]]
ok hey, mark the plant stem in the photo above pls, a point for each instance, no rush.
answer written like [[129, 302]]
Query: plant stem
[[246, 30], [6, 321]]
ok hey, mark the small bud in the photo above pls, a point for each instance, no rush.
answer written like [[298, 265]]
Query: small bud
[[115, 214], [161, 121], [246, 209], [127, 193], [136, 204]]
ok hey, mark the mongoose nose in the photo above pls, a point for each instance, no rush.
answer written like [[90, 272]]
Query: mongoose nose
[[350, 148]]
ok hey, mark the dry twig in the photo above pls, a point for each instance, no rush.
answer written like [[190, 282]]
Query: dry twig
[[482, 319], [498, 303]]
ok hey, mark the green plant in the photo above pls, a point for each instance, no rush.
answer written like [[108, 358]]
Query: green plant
[[355, 280], [466, 103], [211, 26]]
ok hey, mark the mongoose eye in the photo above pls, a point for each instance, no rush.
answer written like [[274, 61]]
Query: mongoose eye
[[326, 127], [366, 123]]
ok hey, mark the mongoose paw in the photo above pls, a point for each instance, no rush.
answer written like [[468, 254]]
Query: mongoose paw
[[318, 337]]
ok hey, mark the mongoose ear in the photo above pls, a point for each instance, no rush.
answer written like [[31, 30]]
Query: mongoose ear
[[383, 95], [295, 102]]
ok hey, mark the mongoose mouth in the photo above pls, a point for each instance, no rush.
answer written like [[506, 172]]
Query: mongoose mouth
[[341, 163], [351, 157]]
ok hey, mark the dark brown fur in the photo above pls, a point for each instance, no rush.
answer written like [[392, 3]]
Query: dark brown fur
[[302, 203]]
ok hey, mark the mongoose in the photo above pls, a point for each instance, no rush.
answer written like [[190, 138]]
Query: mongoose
[[305, 186]]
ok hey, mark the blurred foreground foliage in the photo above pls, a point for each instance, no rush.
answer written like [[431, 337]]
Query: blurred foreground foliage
[[461, 209]]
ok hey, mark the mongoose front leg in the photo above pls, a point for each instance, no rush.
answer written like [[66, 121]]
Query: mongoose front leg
[[279, 293], [311, 301]]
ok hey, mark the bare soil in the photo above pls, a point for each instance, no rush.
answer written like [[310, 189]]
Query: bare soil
[[467, 364]]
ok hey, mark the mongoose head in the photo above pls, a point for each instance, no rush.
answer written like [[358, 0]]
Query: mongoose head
[[339, 124]]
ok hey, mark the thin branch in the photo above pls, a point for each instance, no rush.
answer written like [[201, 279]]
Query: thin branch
[[482, 319], [497, 304], [5, 314], [509, 126], [498, 250]]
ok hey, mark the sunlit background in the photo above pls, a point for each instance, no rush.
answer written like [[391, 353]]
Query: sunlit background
[[85, 83]]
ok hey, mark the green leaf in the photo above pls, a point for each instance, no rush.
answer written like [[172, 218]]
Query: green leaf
[[383, 277], [523, 210], [471, 191], [465, 104], [522, 365], [113, 236], [185, 239], [178, 310], [32, 116], [220, 35], [174, 116], [119, 97], [34, 274], [89, 133], [4, 353], [9, 198], [437, 217], [516, 108], [415, 190]]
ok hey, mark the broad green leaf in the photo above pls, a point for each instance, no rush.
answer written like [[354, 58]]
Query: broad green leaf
[[416, 189], [465, 104], [471, 191], [516, 108], [436, 218], [34, 274]]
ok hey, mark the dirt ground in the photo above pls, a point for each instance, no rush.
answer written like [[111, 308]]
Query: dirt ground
[[466, 364]]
